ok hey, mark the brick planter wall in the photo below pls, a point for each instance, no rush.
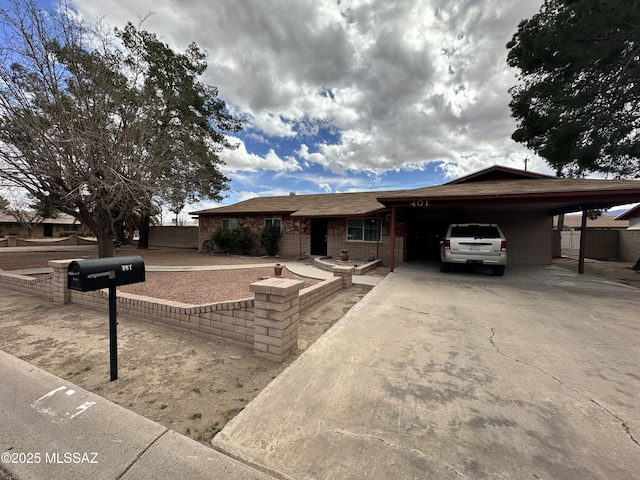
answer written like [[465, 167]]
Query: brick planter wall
[[233, 321]]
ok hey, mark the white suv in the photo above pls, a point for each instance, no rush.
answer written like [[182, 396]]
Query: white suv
[[474, 243]]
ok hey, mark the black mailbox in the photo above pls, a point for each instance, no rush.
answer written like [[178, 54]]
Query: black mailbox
[[94, 274]]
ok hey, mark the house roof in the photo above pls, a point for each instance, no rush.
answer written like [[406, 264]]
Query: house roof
[[61, 219], [559, 195], [498, 173], [318, 205], [629, 214], [603, 221], [493, 187]]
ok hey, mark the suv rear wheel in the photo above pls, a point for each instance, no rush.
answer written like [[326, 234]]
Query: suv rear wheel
[[498, 271]]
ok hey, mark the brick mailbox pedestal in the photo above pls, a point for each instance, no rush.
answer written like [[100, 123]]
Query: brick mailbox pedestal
[[276, 317]]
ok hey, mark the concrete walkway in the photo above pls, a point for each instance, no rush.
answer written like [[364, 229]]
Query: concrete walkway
[[459, 376]]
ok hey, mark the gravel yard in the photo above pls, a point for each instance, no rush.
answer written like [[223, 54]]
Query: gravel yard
[[189, 287]]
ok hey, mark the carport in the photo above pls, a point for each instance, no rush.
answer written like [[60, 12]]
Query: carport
[[522, 203]]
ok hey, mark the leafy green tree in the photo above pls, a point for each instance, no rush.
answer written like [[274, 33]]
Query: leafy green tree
[[578, 101], [99, 126]]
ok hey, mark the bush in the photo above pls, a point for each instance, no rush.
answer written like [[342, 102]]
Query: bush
[[269, 239], [222, 238], [242, 240], [231, 241]]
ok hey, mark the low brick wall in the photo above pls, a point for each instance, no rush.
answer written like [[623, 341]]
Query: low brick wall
[[40, 285], [35, 242], [233, 321]]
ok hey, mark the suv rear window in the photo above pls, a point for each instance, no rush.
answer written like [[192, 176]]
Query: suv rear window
[[476, 231]]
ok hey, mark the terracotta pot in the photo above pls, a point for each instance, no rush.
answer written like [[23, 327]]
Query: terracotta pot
[[277, 270], [344, 257]]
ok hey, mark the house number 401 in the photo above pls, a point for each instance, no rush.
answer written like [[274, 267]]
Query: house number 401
[[420, 203]]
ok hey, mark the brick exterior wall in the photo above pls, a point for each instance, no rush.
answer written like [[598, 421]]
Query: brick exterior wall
[[296, 237], [629, 245]]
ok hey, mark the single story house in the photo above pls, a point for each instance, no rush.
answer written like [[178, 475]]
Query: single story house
[[410, 223], [48, 227]]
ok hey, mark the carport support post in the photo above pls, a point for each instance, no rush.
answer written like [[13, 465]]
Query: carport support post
[[583, 241], [392, 260], [113, 337]]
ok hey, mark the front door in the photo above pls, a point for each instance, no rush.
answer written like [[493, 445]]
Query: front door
[[319, 236]]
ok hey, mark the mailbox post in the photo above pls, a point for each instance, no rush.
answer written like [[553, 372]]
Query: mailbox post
[[95, 274]]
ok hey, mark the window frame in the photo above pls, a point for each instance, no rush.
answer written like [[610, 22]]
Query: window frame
[[229, 220], [271, 219], [363, 229]]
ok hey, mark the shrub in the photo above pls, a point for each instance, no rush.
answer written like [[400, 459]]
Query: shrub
[[242, 240], [230, 241], [222, 238], [269, 239]]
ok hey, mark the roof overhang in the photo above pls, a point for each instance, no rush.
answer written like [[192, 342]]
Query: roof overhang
[[553, 195]]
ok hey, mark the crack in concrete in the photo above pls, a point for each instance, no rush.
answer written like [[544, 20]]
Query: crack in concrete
[[624, 424], [397, 447]]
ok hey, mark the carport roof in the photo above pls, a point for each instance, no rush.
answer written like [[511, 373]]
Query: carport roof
[[557, 195]]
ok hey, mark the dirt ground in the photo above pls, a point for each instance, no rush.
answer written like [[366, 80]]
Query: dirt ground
[[189, 384], [618, 271]]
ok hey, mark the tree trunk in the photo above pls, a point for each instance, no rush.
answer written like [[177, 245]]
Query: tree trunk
[[143, 229], [105, 244]]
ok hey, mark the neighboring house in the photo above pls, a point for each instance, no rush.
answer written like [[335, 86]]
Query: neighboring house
[[632, 216], [49, 227], [411, 222], [629, 248], [603, 222]]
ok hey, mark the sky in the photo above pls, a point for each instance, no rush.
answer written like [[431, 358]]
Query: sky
[[344, 95]]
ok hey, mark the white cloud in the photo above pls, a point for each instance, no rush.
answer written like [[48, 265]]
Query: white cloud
[[241, 159], [404, 83]]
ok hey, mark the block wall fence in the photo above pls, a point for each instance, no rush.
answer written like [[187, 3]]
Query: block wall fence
[[279, 300]]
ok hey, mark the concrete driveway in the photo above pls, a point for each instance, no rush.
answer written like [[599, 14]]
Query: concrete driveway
[[534, 375]]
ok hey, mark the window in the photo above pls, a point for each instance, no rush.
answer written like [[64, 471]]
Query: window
[[229, 223], [277, 222], [364, 229]]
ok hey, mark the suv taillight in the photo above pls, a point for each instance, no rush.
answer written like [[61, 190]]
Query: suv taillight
[[503, 246], [447, 244]]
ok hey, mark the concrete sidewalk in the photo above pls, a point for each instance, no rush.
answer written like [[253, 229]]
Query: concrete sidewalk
[[53, 429]]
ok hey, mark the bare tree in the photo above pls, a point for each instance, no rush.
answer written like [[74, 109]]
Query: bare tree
[[97, 125]]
